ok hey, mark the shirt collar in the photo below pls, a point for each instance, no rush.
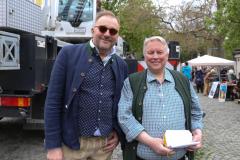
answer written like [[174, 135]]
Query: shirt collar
[[167, 76], [109, 55]]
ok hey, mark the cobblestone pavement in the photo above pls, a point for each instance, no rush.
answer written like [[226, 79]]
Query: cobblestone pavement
[[221, 134], [221, 137]]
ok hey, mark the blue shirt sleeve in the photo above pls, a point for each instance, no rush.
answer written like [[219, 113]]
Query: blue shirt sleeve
[[130, 126], [196, 110]]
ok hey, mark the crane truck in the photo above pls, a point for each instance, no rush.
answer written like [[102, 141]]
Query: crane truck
[[31, 35]]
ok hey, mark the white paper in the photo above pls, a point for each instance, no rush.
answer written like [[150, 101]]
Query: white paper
[[185, 145], [178, 139]]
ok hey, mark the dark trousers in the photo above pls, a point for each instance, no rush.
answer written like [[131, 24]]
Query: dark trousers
[[199, 88], [183, 158]]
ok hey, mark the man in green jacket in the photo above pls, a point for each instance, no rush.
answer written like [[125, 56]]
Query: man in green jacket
[[154, 101]]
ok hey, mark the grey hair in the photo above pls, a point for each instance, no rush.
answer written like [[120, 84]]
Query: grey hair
[[155, 38]]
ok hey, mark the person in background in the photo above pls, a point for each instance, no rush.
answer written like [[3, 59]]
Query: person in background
[[208, 78], [156, 100], [187, 71], [83, 94], [232, 86], [231, 76], [199, 75], [193, 77]]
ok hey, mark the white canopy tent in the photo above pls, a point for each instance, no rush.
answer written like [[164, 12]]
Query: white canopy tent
[[208, 60], [215, 62]]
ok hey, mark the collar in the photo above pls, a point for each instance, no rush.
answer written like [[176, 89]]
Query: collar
[[109, 55], [167, 76], [91, 44]]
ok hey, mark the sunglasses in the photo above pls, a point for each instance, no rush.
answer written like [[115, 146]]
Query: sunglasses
[[103, 29]]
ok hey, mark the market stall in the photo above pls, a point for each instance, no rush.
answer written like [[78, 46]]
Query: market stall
[[218, 63]]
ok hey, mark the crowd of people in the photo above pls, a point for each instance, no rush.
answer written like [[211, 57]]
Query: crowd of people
[[203, 77]]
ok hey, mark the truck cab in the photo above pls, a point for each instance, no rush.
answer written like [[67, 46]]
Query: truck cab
[[69, 20]]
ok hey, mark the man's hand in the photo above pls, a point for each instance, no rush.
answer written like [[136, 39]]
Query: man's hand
[[55, 154], [197, 137], [156, 144], [112, 142]]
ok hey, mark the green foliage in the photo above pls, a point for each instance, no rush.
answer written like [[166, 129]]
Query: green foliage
[[204, 153], [141, 18], [227, 23], [138, 20], [113, 5]]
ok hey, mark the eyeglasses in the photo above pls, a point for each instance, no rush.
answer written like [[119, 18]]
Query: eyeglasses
[[103, 29]]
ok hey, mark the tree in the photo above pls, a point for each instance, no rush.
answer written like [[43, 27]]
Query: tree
[[186, 23], [227, 23], [139, 20], [113, 5]]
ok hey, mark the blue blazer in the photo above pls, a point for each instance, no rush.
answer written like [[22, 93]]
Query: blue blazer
[[68, 72]]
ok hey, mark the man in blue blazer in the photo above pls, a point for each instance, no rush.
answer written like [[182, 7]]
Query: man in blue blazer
[[83, 94]]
